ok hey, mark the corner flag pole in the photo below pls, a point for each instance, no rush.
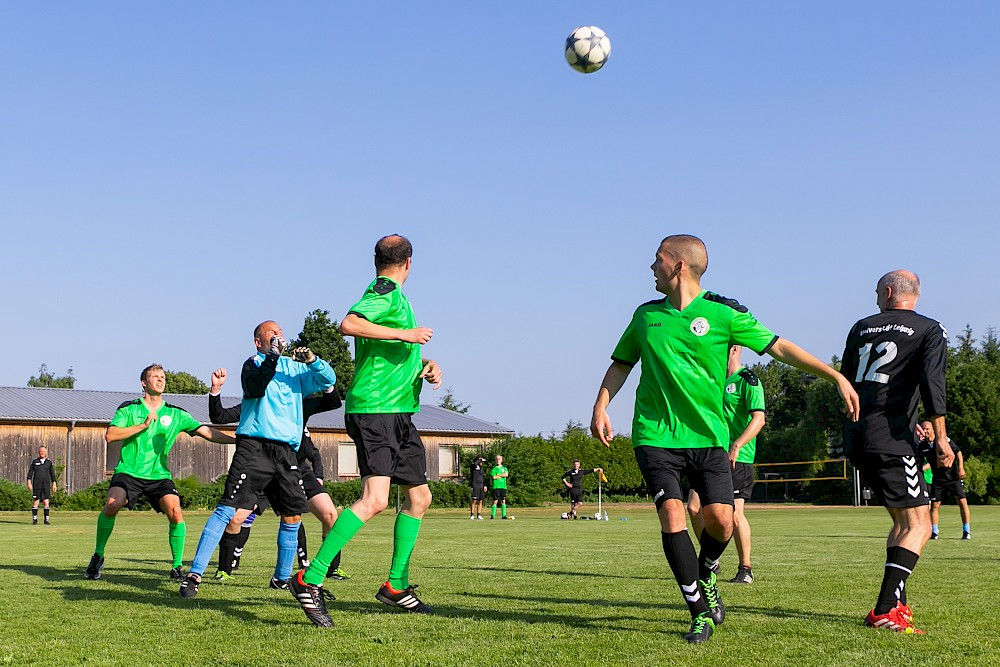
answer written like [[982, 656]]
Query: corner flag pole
[[598, 495]]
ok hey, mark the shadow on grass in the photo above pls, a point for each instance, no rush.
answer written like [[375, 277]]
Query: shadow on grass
[[556, 573], [75, 588]]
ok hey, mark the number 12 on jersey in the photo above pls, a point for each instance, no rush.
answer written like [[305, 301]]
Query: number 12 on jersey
[[886, 352]]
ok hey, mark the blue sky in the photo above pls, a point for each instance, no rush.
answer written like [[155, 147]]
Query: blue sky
[[171, 174]]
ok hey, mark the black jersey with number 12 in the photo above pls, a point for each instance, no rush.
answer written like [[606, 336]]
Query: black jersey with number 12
[[894, 359]]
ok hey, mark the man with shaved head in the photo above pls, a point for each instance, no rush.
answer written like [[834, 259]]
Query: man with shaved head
[[895, 359], [679, 428]]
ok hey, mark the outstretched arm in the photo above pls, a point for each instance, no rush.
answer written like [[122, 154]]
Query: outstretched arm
[[214, 435], [793, 355], [600, 423]]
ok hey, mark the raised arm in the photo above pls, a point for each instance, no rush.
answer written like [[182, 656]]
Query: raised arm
[[357, 326], [255, 378], [600, 423], [214, 435], [793, 355]]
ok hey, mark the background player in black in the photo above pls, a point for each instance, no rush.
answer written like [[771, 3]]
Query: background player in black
[[573, 479], [41, 483], [477, 482], [895, 359], [948, 481]]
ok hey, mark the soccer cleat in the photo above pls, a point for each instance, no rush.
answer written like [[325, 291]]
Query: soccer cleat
[[472, 518], [177, 573], [701, 630], [405, 599], [716, 609], [278, 584], [310, 598], [337, 573], [47, 522], [223, 577], [717, 568], [93, 570], [189, 587], [898, 619], [744, 575], [479, 517], [934, 536], [965, 536]]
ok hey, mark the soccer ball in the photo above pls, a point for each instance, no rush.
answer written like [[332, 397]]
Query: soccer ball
[[511, 518], [597, 515], [587, 49], [564, 516]]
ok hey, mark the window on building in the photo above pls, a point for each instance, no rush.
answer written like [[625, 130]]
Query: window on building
[[448, 460], [347, 460]]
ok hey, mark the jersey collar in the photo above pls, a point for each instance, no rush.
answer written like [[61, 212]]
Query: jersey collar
[[733, 376], [670, 306]]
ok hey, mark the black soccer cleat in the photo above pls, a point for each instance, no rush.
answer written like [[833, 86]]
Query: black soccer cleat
[[93, 570], [189, 587], [934, 536], [405, 599], [701, 630], [966, 536], [716, 610], [278, 584], [310, 598], [716, 568], [744, 575], [177, 573]]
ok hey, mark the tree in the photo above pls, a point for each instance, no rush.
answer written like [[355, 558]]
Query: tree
[[322, 335], [46, 378], [179, 382], [449, 402]]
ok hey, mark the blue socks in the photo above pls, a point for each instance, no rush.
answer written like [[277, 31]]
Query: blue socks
[[934, 529], [210, 537], [965, 528], [288, 542]]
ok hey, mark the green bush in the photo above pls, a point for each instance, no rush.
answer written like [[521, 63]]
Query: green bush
[[14, 497], [90, 499], [977, 475], [446, 494]]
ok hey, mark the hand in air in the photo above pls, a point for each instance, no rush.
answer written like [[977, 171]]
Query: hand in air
[[600, 427], [278, 345], [303, 354], [218, 379]]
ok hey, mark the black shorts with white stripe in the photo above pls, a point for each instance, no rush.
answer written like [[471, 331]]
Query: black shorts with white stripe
[[897, 481]]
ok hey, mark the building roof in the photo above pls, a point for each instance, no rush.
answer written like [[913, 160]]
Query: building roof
[[93, 406]]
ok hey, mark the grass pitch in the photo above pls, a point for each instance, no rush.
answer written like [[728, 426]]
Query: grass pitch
[[535, 591]]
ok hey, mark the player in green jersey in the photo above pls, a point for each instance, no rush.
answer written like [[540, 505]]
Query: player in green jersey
[[147, 428], [743, 407], [679, 427], [499, 474], [388, 375]]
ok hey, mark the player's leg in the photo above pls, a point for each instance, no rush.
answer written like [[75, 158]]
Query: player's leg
[[45, 505], [935, 513], [170, 505], [228, 545], [496, 499], [963, 510], [117, 498], [741, 531], [694, 511], [322, 507], [34, 510]]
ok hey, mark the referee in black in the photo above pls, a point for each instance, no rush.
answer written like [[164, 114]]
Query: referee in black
[[575, 485], [41, 483], [477, 482]]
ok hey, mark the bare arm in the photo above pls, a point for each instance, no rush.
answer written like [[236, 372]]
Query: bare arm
[[961, 465], [793, 355], [215, 435], [359, 327], [116, 433], [757, 420], [945, 456], [432, 372], [600, 423]]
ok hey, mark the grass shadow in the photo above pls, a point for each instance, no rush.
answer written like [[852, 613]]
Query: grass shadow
[[555, 573]]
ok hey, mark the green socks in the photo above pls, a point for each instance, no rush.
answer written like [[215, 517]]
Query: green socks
[[105, 524], [493, 512], [176, 535], [404, 537], [346, 527], [503, 511]]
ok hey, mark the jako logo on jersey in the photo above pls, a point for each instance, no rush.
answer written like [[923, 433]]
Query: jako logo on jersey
[[165, 420], [731, 388], [699, 326]]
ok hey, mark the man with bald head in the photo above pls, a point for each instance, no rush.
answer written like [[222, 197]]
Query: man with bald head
[[895, 359], [267, 439], [679, 428]]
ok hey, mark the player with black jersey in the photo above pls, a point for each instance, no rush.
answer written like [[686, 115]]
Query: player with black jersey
[[574, 483], [895, 359], [477, 482], [41, 483], [948, 481]]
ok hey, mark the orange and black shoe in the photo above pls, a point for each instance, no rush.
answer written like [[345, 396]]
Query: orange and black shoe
[[310, 598], [405, 599], [898, 619]]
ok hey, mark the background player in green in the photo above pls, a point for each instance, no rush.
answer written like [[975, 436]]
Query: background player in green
[[499, 475], [147, 428], [743, 406], [679, 427], [389, 372]]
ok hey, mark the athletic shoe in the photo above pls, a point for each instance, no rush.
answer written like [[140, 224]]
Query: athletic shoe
[[189, 587], [934, 536], [337, 573], [310, 598], [278, 584], [479, 517], [236, 563], [93, 570], [717, 569], [34, 522], [716, 609], [222, 576], [701, 630], [177, 573], [472, 518], [895, 619], [405, 599], [327, 594], [48, 523], [904, 612], [743, 576], [966, 536]]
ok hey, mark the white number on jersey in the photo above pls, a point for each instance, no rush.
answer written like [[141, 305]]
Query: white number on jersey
[[887, 352]]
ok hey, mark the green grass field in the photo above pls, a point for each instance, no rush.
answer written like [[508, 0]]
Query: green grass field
[[536, 591]]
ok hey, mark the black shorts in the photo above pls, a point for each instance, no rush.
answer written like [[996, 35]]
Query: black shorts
[[478, 493], [153, 489], [388, 446], [311, 485], [743, 480], [268, 467], [707, 470], [940, 490], [576, 496], [896, 480], [42, 492], [500, 495]]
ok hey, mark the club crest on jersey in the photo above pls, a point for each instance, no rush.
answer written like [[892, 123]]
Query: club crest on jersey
[[165, 420], [731, 388], [699, 326]]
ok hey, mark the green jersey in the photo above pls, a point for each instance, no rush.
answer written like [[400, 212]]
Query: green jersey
[[144, 455], [499, 482], [386, 372], [744, 396], [678, 403]]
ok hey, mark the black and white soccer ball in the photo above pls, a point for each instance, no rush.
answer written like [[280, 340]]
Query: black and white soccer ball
[[587, 49]]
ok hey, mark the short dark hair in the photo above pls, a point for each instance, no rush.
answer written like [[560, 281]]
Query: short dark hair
[[392, 250], [576, 460], [151, 367]]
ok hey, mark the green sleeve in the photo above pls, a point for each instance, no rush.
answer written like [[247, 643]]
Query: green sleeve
[[753, 394], [627, 351], [187, 423], [121, 418], [373, 306], [745, 330]]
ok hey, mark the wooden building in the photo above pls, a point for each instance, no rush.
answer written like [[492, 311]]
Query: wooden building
[[71, 423]]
